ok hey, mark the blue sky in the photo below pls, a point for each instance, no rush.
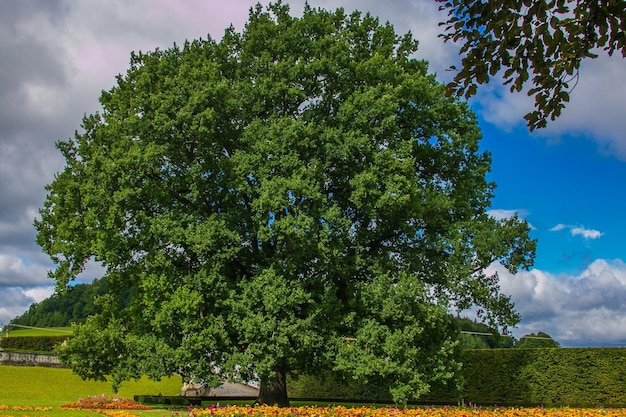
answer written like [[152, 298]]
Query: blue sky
[[567, 183], [568, 180]]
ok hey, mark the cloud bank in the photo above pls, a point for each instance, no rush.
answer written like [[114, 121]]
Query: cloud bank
[[576, 310]]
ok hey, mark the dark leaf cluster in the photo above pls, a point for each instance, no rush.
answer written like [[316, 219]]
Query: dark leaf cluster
[[538, 41]]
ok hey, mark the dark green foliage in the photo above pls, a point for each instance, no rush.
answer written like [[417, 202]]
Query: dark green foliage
[[335, 387], [496, 377], [550, 377], [476, 335], [534, 341], [32, 343], [298, 197], [72, 305], [168, 400], [586, 377], [538, 41]]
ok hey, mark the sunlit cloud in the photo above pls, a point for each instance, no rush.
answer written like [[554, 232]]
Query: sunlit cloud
[[586, 233], [578, 231], [16, 271], [576, 310]]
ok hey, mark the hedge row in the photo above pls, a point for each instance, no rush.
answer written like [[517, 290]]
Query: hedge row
[[331, 387], [511, 377], [552, 377], [32, 343]]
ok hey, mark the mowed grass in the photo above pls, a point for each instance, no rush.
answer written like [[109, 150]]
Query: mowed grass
[[52, 387], [52, 331]]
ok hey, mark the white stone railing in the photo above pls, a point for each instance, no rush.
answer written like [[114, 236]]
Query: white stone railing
[[29, 358]]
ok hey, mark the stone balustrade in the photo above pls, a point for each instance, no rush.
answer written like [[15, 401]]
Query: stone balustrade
[[29, 358]]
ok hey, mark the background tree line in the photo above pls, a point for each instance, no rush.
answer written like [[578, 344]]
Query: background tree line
[[72, 305], [77, 303], [61, 309]]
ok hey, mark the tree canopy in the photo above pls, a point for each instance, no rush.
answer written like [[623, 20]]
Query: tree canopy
[[541, 41], [534, 341], [298, 197]]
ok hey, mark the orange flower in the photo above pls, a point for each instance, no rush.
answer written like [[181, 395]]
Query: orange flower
[[117, 413], [341, 411], [103, 402], [23, 408]]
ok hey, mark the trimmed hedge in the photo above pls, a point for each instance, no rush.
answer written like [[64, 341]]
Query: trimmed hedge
[[32, 343], [168, 400], [332, 387], [584, 377], [576, 377]]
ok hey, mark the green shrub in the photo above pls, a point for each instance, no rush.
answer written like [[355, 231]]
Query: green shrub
[[584, 377], [551, 377], [334, 387], [32, 343]]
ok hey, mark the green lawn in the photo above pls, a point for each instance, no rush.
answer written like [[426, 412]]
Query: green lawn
[[52, 331], [52, 387]]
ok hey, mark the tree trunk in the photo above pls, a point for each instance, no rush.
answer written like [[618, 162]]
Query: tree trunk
[[273, 390]]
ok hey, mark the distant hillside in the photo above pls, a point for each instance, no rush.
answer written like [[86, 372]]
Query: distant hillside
[[59, 310]]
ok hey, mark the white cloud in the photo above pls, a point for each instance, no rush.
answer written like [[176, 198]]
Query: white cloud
[[575, 310], [15, 301], [92, 270], [578, 231], [586, 233], [39, 293], [559, 227], [501, 214], [16, 271], [498, 106]]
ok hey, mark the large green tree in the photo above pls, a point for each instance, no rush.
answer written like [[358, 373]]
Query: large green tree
[[538, 41], [297, 197]]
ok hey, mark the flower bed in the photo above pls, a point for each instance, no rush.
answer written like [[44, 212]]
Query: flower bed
[[106, 405], [104, 402], [117, 413], [4, 407], [340, 411]]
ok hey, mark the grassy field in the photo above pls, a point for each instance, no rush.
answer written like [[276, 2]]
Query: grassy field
[[49, 388], [52, 387], [52, 331]]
